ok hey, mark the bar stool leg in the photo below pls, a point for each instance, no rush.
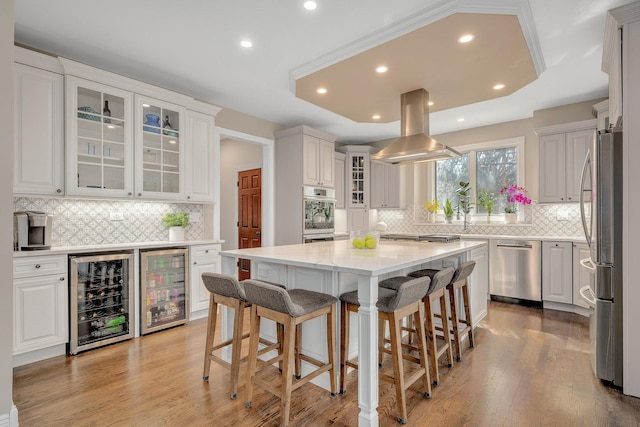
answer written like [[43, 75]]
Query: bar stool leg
[[344, 346], [467, 311], [287, 374], [431, 341], [398, 369], [445, 328], [254, 337], [236, 347], [422, 349], [211, 330], [331, 349], [298, 349], [381, 338], [453, 301]]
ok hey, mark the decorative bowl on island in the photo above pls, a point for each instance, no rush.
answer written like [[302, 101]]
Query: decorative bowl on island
[[364, 239]]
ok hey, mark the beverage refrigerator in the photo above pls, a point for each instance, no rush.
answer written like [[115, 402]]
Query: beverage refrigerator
[[101, 300], [164, 288]]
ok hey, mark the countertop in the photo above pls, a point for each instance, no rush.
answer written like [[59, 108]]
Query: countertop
[[577, 239], [65, 250], [339, 255]]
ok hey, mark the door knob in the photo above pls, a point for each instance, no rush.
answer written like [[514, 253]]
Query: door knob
[[258, 233]]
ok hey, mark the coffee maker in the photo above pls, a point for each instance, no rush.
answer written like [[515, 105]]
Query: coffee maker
[[31, 230]]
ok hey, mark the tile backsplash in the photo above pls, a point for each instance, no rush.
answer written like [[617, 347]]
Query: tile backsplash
[[79, 222], [559, 220]]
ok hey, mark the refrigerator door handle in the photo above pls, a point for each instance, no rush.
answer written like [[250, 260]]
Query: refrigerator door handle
[[587, 231], [588, 264], [587, 293]]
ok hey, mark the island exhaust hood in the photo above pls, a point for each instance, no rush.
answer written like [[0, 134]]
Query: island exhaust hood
[[414, 144]]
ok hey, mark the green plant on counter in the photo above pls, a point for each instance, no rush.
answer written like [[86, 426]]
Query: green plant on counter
[[464, 194], [448, 209], [176, 219], [486, 199]]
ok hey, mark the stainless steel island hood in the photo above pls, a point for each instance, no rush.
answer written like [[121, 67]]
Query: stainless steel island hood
[[414, 144]]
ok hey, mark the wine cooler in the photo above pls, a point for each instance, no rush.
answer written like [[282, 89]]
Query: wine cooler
[[163, 289], [101, 300]]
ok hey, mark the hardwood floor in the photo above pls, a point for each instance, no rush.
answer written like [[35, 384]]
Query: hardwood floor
[[529, 368]]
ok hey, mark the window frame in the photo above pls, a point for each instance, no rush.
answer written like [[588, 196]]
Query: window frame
[[471, 149]]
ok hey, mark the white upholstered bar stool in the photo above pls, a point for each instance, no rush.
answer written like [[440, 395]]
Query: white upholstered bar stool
[[393, 306], [226, 290], [289, 308]]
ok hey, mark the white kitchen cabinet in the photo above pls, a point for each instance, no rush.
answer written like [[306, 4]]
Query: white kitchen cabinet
[[358, 177], [385, 185], [557, 272], [339, 172], [479, 284], [160, 147], [39, 131], [563, 149], [318, 162], [40, 301], [99, 146], [581, 276], [204, 259], [601, 110], [199, 157]]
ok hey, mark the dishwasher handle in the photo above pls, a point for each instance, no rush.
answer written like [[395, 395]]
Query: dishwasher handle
[[517, 247]]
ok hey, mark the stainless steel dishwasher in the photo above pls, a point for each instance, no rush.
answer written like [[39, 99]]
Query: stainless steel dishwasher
[[515, 269]]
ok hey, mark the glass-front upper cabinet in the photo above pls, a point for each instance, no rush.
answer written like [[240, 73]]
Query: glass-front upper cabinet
[[159, 149], [99, 139], [358, 184]]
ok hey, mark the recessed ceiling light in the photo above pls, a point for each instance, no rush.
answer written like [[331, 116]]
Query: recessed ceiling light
[[246, 43], [382, 69], [310, 5], [499, 86], [466, 38], [321, 90], [461, 119], [376, 117], [430, 103]]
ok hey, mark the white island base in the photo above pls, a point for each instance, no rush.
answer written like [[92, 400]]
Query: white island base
[[335, 267]]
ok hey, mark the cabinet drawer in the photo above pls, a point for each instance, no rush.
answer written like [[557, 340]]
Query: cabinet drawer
[[39, 266], [204, 251]]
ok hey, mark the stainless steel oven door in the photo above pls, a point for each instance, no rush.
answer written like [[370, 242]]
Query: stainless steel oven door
[[319, 211]]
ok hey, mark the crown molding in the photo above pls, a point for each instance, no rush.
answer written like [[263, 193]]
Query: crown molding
[[616, 19], [567, 127], [426, 16]]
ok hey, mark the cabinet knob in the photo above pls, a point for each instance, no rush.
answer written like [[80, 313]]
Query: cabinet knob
[[188, 197], [37, 265], [62, 279], [195, 262], [206, 251], [59, 191], [129, 193], [139, 194]]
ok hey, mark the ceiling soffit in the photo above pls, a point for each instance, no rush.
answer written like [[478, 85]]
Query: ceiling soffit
[[423, 46]]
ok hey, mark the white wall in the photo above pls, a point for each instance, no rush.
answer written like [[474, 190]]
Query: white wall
[[6, 211], [235, 156]]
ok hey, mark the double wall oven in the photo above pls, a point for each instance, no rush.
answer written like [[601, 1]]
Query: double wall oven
[[319, 214]]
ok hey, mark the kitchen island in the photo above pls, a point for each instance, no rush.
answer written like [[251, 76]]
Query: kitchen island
[[336, 267]]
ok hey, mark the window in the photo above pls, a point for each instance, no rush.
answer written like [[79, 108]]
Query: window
[[489, 166]]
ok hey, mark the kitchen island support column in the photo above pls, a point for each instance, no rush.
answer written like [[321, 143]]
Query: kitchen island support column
[[368, 350]]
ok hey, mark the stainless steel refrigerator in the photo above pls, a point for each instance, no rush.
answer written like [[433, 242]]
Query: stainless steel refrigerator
[[601, 211]]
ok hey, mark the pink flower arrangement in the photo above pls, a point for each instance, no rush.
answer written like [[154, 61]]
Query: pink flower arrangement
[[515, 195]]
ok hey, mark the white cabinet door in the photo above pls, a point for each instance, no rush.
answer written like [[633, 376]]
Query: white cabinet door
[[99, 144], [552, 168], [581, 276], [357, 219], [204, 259], [199, 157], [378, 185], [40, 312], [393, 186], [358, 180], [326, 163], [578, 143], [339, 179], [557, 272], [160, 149], [479, 284], [39, 132], [310, 160]]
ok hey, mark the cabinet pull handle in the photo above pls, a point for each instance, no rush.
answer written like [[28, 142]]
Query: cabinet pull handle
[[37, 265], [59, 191]]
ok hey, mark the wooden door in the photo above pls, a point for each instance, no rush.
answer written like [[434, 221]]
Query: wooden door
[[249, 216]]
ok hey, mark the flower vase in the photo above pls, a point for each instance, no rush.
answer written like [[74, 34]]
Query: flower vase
[[176, 234], [510, 218], [448, 219], [432, 217]]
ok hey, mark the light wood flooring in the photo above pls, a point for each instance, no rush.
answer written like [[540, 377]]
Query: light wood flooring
[[530, 367]]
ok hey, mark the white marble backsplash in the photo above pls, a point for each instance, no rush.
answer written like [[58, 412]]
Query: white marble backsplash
[[79, 222], [558, 220]]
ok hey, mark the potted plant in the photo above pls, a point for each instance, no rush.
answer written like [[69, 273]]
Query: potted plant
[[515, 195], [176, 223], [432, 208], [448, 212], [464, 195], [485, 200]]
